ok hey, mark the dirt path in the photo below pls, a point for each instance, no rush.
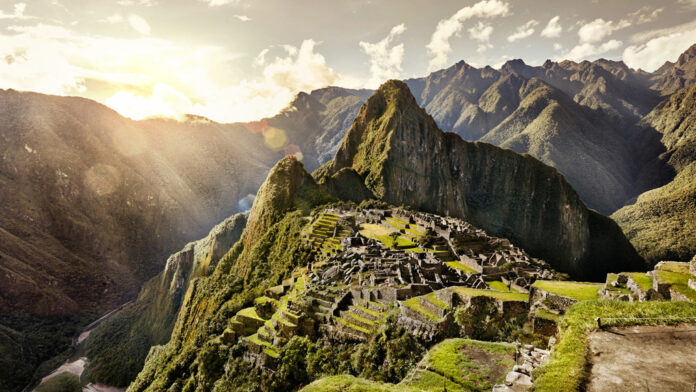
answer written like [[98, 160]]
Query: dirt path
[[642, 359]]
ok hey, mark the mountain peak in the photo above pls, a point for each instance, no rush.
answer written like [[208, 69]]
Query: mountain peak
[[687, 56], [395, 90]]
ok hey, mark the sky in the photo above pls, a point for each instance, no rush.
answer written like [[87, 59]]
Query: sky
[[242, 60]]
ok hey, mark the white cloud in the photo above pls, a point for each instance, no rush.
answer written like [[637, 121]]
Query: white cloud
[[146, 3], [217, 3], [644, 15], [260, 59], [243, 18], [557, 46], [481, 32], [113, 19], [139, 24], [197, 80], [17, 12], [553, 29], [653, 53], [599, 29], [586, 50], [439, 47], [385, 58], [523, 31]]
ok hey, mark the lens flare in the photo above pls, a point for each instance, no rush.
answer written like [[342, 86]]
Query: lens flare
[[275, 138]]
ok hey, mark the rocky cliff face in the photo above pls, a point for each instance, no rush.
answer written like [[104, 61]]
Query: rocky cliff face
[[118, 346], [404, 158]]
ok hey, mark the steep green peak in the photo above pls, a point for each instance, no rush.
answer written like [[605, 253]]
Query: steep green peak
[[283, 181], [286, 183], [392, 94], [384, 118]]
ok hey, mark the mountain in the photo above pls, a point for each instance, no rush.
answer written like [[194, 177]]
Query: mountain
[[405, 159], [315, 123], [92, 205], [672, 77], [662, 222]]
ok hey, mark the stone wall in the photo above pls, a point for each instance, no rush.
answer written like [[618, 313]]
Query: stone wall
[[551, 302]]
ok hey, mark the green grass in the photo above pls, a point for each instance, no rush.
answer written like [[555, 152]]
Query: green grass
[[580, 291], [264, 300], [64, 382], [567, 366], [433, 300], [368, 311], [250, 312], [360, 319], [545, 314], [679, 282], [502, 295], [348, 323], [346, 383], [452, 361], [415, 305], [447, 364], [255, 339], [460, 266], [643, 281], [498, 286]]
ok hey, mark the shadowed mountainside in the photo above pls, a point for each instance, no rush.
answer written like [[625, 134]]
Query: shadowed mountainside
[[92, 205], [662, 222]]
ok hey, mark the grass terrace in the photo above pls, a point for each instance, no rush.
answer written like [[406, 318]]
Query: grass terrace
[[645, 282], [567, 367], [460, 365], [382, 234], [678, 275], [580, 291], [460, 266], [502, 295], [464, 365], [415, 305]]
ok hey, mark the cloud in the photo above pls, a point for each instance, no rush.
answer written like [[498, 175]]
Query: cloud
[[553, 29], [439, 47], [165, 101], [587, 50], [523, 31], [557, 46], [260, 59], [128, 3], [599, 29], [243, 18], [385, 58], [200, 80], [17, 12], [656, 51], [139, 24], [481, 32], [644, 15], [217, 3], [113, 19]]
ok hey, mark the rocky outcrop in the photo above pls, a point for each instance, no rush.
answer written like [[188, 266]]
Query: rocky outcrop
[[149, 320], [404, 158]]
